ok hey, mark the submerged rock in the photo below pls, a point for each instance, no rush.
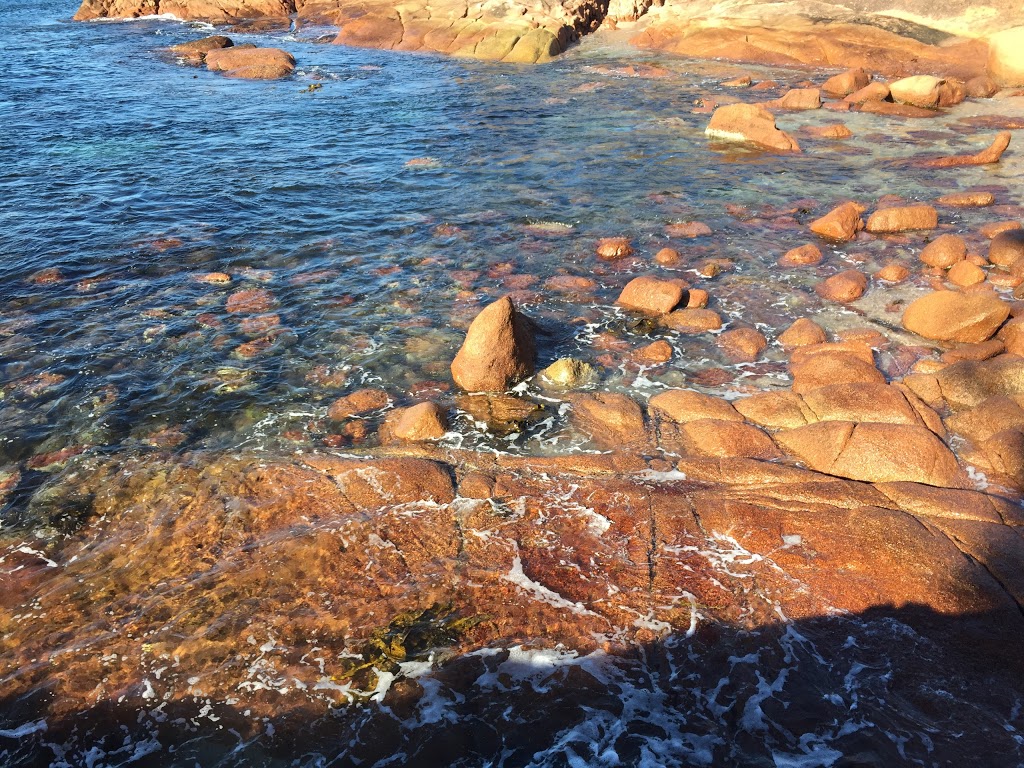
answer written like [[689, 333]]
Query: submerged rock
[[568, 373], [501, 414], [611, 248], [967, 199], [359, 403], [984, 157], [498, 351]]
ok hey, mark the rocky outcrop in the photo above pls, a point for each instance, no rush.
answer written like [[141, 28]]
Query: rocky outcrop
[[513, 32], [194, 52], [251, 63], [874, 452], [300, 587]]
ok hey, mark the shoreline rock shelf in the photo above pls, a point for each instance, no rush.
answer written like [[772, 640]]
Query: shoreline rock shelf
[[758, 33]]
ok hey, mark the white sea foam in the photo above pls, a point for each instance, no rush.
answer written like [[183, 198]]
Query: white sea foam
[[23, 730]]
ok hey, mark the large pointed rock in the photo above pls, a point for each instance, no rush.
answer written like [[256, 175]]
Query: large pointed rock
[[498, 351]]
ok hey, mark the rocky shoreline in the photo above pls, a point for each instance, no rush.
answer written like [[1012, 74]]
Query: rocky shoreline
[[882, 37], [381, 582]]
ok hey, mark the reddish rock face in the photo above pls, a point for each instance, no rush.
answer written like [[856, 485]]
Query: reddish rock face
[[358, 403], [651, 295], [874, 452], [804, 255], [965, 274], [1007, 248], [683, 405], [849, 285], [498, 351], [841, 224], [727, 439], [953, 316], [742, 345], [423, 421], [861, 402], [799, 99], [846, 83], [903, 219], [656, 352], [802, 333], [194, 52], [829, 364], [944, 251], [750, 123], [869, 92], [893, 273], [251, 63], [611, 420], [775, 410]]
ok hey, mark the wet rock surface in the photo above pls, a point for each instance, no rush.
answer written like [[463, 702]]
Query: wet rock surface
[[324, 580], [740, 452]]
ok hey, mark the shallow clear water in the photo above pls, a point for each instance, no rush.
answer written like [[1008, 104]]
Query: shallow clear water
[[133, 175]]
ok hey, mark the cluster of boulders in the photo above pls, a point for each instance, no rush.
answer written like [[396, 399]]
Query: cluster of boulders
[[855, 89], [840, 416]]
